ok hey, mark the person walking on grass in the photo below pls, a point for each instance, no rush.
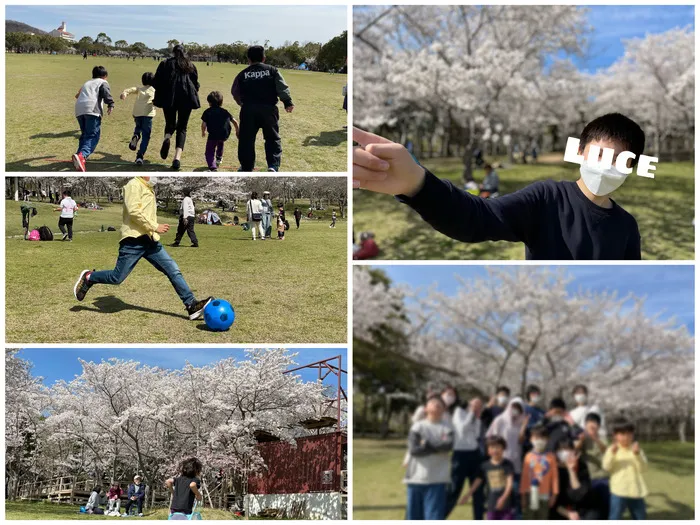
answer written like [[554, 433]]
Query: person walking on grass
[[88, 110], [257, 89], [217, 121], [297, 216], [143, 114], [177, 85], [334, 218], [254, 212], [186, 221], [67, 207], [141, 240]]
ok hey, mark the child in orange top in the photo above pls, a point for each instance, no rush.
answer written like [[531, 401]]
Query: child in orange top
[[539, 484]]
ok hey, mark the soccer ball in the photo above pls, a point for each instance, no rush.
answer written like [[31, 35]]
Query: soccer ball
[[219, 315]]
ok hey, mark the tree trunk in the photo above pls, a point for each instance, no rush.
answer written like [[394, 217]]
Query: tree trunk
[[468, 173], [681, 430]]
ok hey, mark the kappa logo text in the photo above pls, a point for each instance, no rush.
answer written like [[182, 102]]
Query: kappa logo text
[[257, 74]]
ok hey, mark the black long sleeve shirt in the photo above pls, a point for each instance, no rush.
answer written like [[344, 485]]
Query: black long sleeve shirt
[[555, 220]]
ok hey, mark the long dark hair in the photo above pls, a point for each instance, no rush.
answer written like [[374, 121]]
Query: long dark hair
[[183, 62]]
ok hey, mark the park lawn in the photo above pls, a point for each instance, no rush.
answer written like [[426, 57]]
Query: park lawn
[[42, 132], [293, 291], [24, 510], [663, 208], [379, 494]]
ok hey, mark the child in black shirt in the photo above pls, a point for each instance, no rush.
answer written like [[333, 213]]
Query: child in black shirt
[[555, 220], [218, 122], [185, 488]]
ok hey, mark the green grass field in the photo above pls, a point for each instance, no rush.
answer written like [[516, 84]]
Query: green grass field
[[663, 207], [291, 291], [42, 132], [22, 510], [379, 494]]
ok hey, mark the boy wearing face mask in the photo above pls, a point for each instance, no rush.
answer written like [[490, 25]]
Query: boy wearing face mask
[[141, 240], [562, 220], [495, 406], [583, 408], [427, 475], [539, 484], [560, 426], [626, 463]]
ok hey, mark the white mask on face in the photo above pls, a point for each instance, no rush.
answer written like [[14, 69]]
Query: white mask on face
[[539, 444], [152, 181], [449, 399], [600, 181], [580, 398], [535, 400], [501, 400], [563, 455]]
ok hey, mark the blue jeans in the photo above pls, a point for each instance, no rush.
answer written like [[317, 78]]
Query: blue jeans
[[466, 465], [266, 220], [636, 506], [131, 251], [90, 126], [143, 127], [427, 502]]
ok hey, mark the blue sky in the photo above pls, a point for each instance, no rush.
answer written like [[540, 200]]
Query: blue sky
[[61, 363], [669, 289], [155, 25], [614, 23]]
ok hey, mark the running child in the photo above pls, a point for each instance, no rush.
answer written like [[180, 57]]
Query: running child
[[143, 114], [68, 208], [141, 240], [88, 111], [217, 121], [498, 473], [334, 217], [562, 220], [184, 489]]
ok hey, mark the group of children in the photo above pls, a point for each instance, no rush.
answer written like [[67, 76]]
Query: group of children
[[216, 121], [184, 490], [522, 462]]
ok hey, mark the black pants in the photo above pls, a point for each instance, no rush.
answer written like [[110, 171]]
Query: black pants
[[297, 219], [181, 229], [253, 118], [176, 121], [65, 222], [131, 502]]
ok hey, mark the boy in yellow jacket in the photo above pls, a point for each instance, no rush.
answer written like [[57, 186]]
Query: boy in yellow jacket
[[626, 463], [143, 113], [141, 239]]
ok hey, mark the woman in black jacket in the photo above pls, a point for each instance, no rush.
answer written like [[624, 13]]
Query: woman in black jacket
[[176, 86]]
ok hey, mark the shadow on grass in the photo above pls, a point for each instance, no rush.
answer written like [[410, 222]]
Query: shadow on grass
[[676, 510], [65, 134], [378, 507], [204, 328], [98, 161], [109, 304], [673, 464], [327, 138]]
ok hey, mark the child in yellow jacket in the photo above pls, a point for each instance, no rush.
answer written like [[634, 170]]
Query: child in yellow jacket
[[626, 463], [143, 113]]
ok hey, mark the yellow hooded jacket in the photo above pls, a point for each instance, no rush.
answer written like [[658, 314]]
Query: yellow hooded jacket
[[139, 211]]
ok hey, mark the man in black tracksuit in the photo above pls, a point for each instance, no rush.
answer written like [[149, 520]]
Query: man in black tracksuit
[[256, 89]]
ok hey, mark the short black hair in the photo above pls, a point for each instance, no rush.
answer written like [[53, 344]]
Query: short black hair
[[147, 79], [256, 53], [532, 389], [66, 192], [580, 387], [503, 389], [254, 195], [557, 402], [623, 426], [97, 489], [99, 72], [617, 128], [215, 98], [191, 467], [564, 443], [592, 416], [539, 430], [187, 192], [496, 441]]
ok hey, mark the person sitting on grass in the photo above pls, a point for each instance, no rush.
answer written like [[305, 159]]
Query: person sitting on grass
[[184, 488], [626, 463], [490, 185], [143, 114], [217, 121], [562, 220], [367, 249], [427, 475], [141, 240], [114, 498], [498, 473], [27, 211], [135, 495], [93, 504], [88, 111]]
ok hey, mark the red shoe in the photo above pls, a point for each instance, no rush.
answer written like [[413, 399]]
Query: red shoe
[[79, 161]]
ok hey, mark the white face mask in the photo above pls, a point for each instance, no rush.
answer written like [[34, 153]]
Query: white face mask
[[539, 444], [563, 455], [601, 181], [535, 400], [580, 398], [152, 181], [501, 400], [449, 399]]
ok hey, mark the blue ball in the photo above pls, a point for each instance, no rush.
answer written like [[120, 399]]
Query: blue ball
[[219, 315]]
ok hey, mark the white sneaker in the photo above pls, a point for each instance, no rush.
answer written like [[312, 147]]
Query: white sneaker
[[140, 515]]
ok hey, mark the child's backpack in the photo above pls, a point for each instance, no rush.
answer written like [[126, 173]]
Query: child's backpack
[[34, 236], [111, 229], [45, 233]]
